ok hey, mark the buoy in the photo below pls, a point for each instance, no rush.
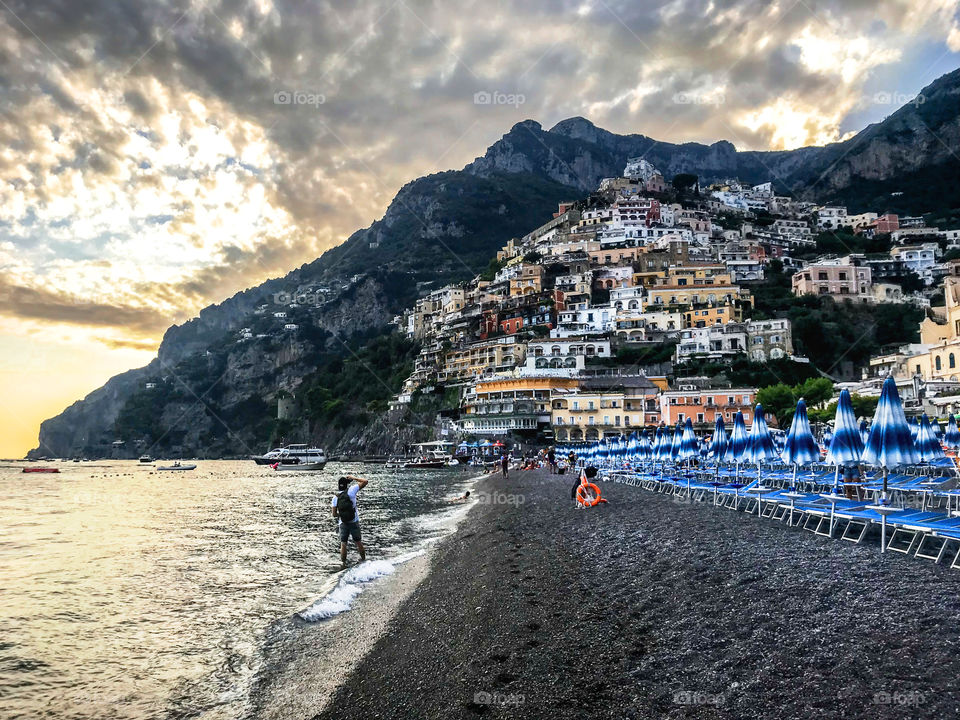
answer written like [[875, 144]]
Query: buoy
[[588, 494]]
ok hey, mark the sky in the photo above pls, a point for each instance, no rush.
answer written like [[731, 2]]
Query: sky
[[158, 156]]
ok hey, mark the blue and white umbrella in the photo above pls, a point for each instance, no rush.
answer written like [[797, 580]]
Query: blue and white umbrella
[[718, 443], [633, 444], [847, 445], [864, 431], [677, 441], [927, 444], [760, 446], [737, 447], [689, 446], [952, 437], [663, 447], [889, 444], [643, 447], [937, 430], [760, 449], [800, 448], [914, 427]]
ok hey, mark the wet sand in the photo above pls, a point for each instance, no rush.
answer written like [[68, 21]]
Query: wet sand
[[649, 608]]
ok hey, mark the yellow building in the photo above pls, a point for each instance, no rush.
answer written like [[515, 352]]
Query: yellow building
[[705, 317], [606, 406], [529, 281], [941, 361]]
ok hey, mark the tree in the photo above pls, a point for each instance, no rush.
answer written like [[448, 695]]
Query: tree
[[815, 391], [778, 400], [682, 182]]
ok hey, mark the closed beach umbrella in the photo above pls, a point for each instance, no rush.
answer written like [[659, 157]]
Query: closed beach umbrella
[[677, 441], [689, 446], [737, 446], [643, 447], [760, 445], [827, 437], [718, 443], [846, 448], [800, 447], [952, 437], [864, 431], [927, 444], [889, 444], [937, 430], [633, 444], [914, 427], [663, 448], [760, 448]]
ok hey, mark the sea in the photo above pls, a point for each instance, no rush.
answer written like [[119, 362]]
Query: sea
[[128, 592]]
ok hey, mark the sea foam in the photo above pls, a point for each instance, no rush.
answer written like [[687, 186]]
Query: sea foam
[[351, 584]]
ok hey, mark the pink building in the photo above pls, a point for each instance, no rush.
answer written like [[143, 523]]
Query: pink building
[[839, 281]]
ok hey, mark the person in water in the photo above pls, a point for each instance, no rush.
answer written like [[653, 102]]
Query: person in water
[[462, 498], [344, 507]]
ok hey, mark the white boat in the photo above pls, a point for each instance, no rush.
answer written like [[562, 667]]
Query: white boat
[[395, 463], [292, 455], [177, 466]]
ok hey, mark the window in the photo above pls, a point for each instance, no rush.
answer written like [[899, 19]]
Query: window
[[843, 276], [952, 361], [821, 276], [591, 421], [576, 404], [606, 419], [590, 407], [699, 417], [936, 362]]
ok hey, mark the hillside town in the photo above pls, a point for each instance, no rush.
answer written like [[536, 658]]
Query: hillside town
[[562, 339]]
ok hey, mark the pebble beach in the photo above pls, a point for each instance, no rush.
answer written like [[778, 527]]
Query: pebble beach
[[654, 607]]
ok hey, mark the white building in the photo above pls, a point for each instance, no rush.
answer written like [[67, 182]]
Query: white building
[[831, 217]]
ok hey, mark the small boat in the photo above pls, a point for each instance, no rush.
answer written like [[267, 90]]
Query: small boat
[[299, 467], [177, 466], [146, 459], [41, 470], [395, 463]]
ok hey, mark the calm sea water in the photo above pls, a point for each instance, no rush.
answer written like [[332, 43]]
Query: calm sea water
[[131, 593]]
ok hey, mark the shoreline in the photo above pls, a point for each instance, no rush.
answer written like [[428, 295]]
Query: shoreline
[[649, 607], [313, 664]]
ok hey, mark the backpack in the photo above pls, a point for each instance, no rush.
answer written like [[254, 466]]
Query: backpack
[[345, 509]]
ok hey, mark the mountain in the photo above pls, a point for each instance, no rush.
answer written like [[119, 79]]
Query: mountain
[[211, 389]]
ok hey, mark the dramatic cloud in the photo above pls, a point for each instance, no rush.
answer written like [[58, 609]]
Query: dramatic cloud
[[159, 156]]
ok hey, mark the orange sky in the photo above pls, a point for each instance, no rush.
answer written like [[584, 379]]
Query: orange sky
[[39, 377]]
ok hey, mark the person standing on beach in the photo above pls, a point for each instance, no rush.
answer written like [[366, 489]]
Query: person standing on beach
[[505, 465], [348, 517], [552, 460]]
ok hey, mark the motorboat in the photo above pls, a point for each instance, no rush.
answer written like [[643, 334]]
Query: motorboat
[[178, 466], [395, 463], [146, 459], [292, 455]]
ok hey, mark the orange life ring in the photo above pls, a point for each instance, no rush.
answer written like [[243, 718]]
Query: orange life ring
[[582, 497]]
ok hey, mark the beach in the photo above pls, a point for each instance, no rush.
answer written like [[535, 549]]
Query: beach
[[649, 607]]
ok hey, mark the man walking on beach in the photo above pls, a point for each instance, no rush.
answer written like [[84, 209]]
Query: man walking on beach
[[345, 510]]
